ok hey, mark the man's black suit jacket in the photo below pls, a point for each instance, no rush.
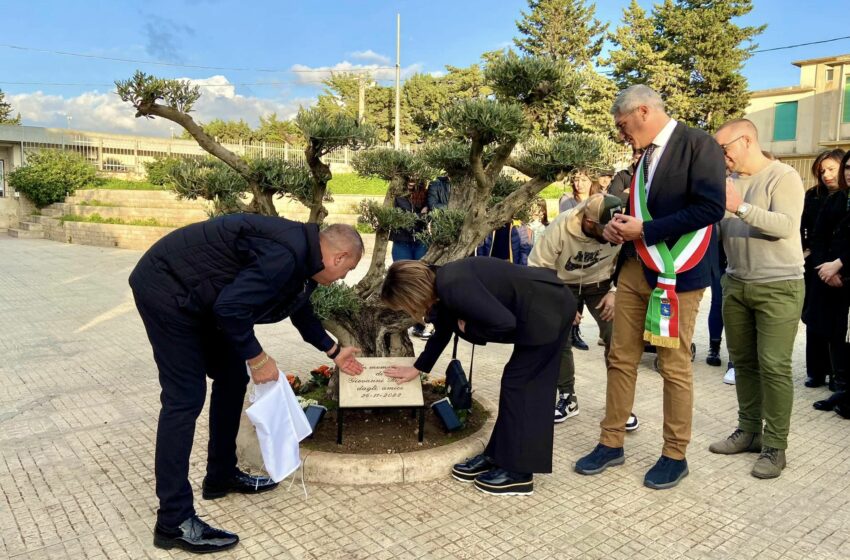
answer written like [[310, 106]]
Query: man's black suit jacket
[[234, 272], [688, 192], [500, 302]]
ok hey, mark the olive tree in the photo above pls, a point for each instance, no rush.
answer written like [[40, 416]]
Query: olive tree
[[495, 163]]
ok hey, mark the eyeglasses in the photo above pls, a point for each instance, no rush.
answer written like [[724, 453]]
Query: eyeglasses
[[725, 147], [620, 124]]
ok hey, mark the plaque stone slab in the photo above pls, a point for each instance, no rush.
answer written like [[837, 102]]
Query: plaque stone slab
[[372, 389]]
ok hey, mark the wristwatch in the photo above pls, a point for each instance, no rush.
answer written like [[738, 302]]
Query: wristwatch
[[743, 210]]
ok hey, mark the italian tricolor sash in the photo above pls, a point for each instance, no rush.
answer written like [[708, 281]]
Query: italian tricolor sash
[[661, 327]]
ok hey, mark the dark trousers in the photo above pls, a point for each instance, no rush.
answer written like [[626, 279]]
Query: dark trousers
[[185, 349], [524, 433], [715, 312], [591, 295]]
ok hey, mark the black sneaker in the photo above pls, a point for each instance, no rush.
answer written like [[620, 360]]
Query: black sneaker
[[194, 535], [505, 483], [469, 469], [567, 407], [632, 423], [578, 341], [666, 473]]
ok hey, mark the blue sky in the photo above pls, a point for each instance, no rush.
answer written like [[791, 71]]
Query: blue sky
[[309, 36]]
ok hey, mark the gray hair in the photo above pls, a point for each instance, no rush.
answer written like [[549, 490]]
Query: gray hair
[[344, 237], [633, 97]]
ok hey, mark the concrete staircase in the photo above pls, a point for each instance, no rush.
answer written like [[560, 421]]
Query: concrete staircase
[[162, 206], [28, 230]]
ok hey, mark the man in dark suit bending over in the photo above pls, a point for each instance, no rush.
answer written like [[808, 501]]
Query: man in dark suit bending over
[[677, 193]]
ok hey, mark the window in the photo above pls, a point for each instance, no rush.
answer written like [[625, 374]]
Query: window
[[830, 74], [785, 121], [846, 113]]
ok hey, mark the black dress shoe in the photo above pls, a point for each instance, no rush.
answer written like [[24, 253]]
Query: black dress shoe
[[578, 341], [241, 483], [814, 382], [469, 469], [829, 404], [194, 535], [505, 483], [843, 410]]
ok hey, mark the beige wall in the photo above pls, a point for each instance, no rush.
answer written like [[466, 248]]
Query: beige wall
[[818, 112], [13, 209]]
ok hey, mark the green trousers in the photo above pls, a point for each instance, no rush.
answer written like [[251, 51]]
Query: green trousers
[[589, 296], [761, 323]]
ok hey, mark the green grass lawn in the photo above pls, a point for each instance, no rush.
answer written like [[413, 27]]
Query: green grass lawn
[[555, 190], [124, 185], [351, 183], [342, 183], [98, 219]]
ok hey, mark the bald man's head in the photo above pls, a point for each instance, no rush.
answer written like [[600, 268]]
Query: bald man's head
[[741, 126], [739, 140]]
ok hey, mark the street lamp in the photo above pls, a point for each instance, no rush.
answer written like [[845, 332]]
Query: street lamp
[[69, 117]]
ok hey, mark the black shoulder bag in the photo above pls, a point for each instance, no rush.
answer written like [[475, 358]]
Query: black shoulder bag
[[458, 387]]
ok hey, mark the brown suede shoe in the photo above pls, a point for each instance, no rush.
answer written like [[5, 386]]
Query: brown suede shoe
[[770, 463], [738, 442]]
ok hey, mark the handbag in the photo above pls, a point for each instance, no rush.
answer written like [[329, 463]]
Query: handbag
[[458, 387]]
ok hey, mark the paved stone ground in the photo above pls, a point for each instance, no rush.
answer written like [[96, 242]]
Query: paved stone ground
[[78, 408]]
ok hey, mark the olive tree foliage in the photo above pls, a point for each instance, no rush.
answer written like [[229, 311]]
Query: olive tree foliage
[[228, 178], [488, 137], [485, 138], [488, 149]]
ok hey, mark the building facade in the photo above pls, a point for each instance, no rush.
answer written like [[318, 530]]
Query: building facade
[[796, 123]]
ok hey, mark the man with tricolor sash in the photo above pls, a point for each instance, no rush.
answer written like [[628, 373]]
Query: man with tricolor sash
[[677, 194]]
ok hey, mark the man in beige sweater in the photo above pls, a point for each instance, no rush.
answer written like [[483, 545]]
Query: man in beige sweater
[[762, 293], [573, 246]]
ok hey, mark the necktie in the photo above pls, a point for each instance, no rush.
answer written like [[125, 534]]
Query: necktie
[[647, 159]]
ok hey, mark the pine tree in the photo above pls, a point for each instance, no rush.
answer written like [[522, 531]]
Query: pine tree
[[691, 52], [6, 111], [562, 29], [568, 32]]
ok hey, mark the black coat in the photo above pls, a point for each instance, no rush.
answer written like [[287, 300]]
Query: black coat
[[688, 192], [236, 271], [406, 235], [622, 180], [500, 302], [812, 203], [825, 241]]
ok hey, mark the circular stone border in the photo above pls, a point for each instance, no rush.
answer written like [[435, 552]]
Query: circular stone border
[[395, 468]]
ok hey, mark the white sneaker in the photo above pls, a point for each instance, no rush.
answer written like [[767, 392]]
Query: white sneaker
[[632, 423], [729, 378]]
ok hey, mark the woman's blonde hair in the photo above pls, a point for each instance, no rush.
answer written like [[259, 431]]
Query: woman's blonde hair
[[410, 286]]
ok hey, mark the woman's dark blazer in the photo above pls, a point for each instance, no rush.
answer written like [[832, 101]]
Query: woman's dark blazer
[[500, 302]]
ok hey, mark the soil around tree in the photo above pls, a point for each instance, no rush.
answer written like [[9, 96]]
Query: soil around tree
[[390, 430]]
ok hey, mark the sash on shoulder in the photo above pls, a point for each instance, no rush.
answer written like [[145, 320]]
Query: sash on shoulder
[[661, 327]]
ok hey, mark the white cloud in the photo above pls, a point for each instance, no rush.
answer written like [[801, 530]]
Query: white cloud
[[99, 111], [371, 56], [315, 74]]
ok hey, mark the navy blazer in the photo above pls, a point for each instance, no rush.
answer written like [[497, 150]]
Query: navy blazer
[[688, 192], [500, 302], [236, 271]]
